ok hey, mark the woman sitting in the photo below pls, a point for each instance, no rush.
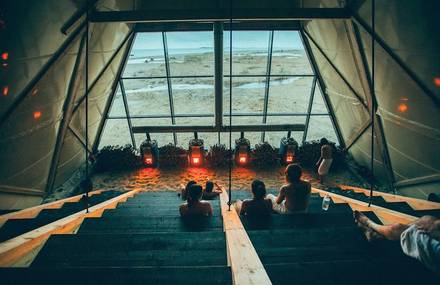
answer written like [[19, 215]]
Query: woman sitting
[[184, 191], [193, 205], [258, 205], [209, 192]]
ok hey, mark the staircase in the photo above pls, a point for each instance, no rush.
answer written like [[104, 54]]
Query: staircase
[[326, 247], [15, 227], [402, 207], [143, 240]]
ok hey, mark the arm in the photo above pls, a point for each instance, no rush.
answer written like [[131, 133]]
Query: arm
[[281, 196], [243, 209]]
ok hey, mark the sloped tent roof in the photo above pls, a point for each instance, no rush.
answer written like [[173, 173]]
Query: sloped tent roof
[[46, 74]]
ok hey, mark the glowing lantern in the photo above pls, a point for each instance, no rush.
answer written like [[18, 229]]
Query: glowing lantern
[[288, 148], [242, 150], [5, 91], [196, 151], [5, 56], [37, 115], [437, 81], [149, 152]]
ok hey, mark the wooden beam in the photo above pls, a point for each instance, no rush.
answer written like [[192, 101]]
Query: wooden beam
[[34, 211], [21, 190], [213, 129], [219, 14], [11, 251], [417, 181], [245, 264], [387, 216], [416, 204]]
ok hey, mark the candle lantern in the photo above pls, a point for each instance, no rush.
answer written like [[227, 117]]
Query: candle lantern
[[242, 151], [196, 151], [149, 152], [288, 149]]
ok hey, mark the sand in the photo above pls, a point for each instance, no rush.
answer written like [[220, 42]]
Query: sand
[[196, 96]]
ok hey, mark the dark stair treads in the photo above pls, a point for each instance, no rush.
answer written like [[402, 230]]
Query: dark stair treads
[[133, 250], [16, 227], [148, 225], [306, 220], [356, 272], [433, 212], [306, 237], [145, 212], [190, 275]]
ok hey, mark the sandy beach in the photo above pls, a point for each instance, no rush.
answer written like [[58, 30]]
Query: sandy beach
[[195, 95]]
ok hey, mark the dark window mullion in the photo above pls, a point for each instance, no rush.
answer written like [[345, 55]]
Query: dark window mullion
[[309, 109], [266, 90], [170, 90], [127, 111]]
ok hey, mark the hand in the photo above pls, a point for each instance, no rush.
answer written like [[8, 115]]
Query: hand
[[427, 224]]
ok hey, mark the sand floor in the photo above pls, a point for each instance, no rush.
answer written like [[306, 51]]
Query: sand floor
[[151, 179]]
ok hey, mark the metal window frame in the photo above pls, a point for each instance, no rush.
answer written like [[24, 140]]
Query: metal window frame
[[268, 75]]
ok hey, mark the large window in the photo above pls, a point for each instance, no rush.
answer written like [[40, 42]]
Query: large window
[[169, 80]]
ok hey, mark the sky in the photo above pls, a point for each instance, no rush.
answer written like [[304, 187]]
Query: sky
[[241, 39]]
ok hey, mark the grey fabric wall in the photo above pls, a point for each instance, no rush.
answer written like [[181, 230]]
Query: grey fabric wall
[[411, 134], [30, 132]]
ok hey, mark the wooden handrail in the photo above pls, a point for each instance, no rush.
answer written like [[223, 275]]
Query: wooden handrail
[[245, 263], [387, 216], [416, 204], [33, 211], [11, 251]]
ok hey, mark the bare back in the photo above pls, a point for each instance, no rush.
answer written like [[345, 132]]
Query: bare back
[[201, 208], [297, 195], [261, 207]]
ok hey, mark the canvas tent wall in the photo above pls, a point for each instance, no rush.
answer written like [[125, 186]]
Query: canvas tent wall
[[42, 116]]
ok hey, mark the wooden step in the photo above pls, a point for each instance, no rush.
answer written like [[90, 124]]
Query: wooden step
[[188, 275]]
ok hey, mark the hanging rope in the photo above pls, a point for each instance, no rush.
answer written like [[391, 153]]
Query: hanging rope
[[230, 105], [373, 103], [87, 107]]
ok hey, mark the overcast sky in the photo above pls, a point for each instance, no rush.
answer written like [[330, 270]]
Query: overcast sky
[[185, 40]]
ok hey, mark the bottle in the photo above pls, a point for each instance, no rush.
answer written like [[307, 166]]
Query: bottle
[[326, 202]]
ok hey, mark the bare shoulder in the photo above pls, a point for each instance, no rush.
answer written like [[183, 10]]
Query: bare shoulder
[[183, 208], [206, 204]]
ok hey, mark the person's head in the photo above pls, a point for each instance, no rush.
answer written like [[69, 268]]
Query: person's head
[[194, 194], [258, 189], [209, 186], [188, 185], [324, 141], [293, 172]]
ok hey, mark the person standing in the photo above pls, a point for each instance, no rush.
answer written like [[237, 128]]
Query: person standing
[[325, 160]]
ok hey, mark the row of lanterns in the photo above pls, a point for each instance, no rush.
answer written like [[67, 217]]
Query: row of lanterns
[[196, 153]]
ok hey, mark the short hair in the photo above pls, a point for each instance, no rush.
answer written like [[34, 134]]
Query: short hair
[[195, 193], [188, 185], [324, 141], [258, 189], [209, 186], [293, 172]]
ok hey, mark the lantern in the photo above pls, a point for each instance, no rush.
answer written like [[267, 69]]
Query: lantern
[[242, 150], [196, 151], [149, 152], [288, 148]]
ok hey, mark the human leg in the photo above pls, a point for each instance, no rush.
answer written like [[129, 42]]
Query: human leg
[[391, 232]]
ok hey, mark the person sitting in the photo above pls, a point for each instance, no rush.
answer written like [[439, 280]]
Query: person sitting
[[420, 240], [193, 205], [209, 193], [184, 191], [295, 195], [259, 205], [325, 160]]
